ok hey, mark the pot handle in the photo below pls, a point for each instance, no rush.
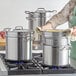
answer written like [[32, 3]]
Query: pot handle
[[68, 47], [46, 11], [52, 11], [27, 12], [18, 28], [6, 29], [41, 9], [29, 38]]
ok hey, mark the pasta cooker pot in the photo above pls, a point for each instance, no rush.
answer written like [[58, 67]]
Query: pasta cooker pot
[[19, 44], [55, 48]]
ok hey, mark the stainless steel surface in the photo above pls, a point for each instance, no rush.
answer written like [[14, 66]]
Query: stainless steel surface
[[2, 66], [43, 75], [3, 69], [35, 19], [46, 75], [55, 49], [19, 44]]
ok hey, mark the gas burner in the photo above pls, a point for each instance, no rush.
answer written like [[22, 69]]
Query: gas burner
[[34, 66], [22, 65], [17, 62], [57, 69]]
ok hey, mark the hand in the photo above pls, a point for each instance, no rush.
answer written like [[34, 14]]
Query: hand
[[46, 27], [73, 32]]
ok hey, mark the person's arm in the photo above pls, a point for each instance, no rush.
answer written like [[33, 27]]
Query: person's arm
[[61, 17]]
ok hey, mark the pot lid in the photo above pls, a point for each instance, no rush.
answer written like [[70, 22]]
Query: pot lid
[[19, 29]]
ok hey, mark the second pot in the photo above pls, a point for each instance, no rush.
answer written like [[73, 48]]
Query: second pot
[[18, 45], [55, 49]]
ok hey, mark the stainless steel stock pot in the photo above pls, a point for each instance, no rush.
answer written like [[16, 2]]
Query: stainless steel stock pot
[[19, 44], [55, 48]]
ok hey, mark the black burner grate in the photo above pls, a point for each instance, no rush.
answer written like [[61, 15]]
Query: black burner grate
[[35, 66]]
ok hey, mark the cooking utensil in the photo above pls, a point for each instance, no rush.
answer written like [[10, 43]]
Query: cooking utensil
[[19, 44]]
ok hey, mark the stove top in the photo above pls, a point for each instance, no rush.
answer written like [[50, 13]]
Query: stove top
[[34, 66]]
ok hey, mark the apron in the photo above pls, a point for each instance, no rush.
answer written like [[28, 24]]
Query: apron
[[73, 43]]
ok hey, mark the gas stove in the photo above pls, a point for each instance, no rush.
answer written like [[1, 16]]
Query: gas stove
[[34, 67]]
